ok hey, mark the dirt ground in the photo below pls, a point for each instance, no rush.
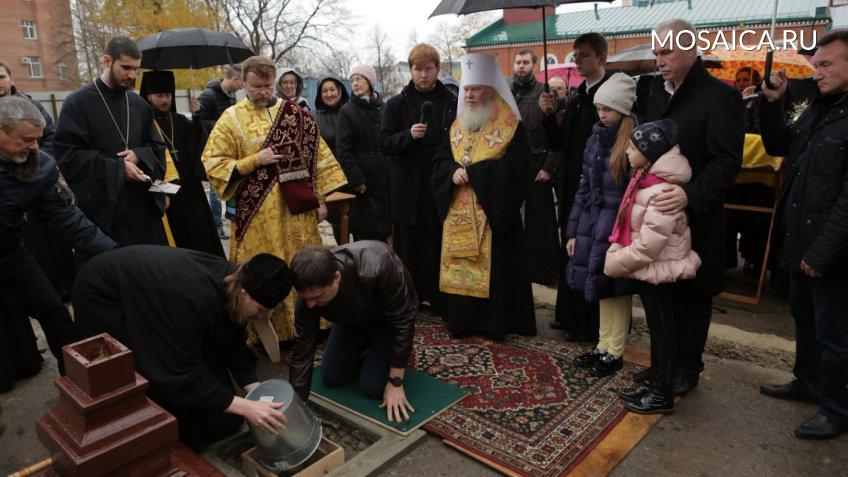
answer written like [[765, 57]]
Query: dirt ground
[[724, 427]]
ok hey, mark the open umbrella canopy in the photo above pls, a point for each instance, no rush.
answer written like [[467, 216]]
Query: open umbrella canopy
[[191, 48], [464, 7], [566, 71], [795, 64], [641, 59]]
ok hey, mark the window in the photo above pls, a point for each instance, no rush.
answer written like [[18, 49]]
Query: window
[[34, 64], [28, 28], [62, 70], [551, 59]]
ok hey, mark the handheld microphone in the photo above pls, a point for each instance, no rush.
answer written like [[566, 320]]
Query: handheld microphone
[[426, 109]]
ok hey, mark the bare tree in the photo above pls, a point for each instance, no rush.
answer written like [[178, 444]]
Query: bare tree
[[338, 62], [278, 27], [413, 39], [90, 36], [392, 77], [379, 43], [449, 37], [447, 40]]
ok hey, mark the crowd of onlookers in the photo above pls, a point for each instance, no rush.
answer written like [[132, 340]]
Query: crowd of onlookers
[[624, 194]]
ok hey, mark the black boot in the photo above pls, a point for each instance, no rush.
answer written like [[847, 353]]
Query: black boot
[[820, 427], [683, 384], [635, 392], [654, 402], [588, 359], [606, 366]]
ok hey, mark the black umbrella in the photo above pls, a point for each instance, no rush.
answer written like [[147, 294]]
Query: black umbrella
[[190, 48], [464, 7]]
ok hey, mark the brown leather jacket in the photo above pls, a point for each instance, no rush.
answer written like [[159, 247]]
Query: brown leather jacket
[[375, 290]]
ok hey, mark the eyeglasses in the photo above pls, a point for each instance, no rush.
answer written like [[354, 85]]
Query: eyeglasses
[[258, 89]]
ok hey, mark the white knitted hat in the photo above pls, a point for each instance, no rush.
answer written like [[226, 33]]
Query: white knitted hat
[[618, 93]]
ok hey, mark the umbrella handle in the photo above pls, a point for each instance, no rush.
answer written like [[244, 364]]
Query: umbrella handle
[[545, 49], [227, 51], [767, 73]]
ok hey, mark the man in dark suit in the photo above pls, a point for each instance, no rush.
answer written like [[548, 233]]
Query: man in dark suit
[[710, 119]]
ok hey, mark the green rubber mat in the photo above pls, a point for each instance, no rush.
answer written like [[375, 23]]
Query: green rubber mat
[[428, 396]]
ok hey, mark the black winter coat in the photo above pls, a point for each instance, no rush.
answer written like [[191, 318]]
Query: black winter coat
[[41, 193], [327, 116], [358, 152], [814, 199], [412, 157], [710, 119], [213, 102]]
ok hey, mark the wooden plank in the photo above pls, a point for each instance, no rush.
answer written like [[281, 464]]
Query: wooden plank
[[380, 455], [616, 445], [481, 459]]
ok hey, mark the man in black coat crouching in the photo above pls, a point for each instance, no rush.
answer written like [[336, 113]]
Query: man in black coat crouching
[[29, 181]]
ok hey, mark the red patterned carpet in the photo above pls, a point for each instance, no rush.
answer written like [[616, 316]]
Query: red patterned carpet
[[529, 411]]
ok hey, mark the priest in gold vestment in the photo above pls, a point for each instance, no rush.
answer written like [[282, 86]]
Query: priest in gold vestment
[[267, 153], [479, 187]]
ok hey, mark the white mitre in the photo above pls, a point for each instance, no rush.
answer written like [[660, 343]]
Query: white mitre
[[483, 70]]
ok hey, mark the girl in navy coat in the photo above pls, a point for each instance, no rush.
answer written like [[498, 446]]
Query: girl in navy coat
[[602, 186]]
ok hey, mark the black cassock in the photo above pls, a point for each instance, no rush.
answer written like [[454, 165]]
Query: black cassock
[[189, 215], [167, 305], [86, 145], [500, 186]]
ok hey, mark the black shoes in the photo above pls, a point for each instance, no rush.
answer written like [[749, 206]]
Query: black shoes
[[634, 393], [653, 402], [682, 385], [792, 390], [556, 325], [606, 366], [588, 359], [820, 427]]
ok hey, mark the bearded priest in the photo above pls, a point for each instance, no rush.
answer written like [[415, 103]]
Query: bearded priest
[[268, 154], [479, 187]]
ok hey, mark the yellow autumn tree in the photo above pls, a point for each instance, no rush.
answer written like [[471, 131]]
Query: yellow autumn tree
[[139, 18]]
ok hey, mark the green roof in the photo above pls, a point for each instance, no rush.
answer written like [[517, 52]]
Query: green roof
[[635, 19]]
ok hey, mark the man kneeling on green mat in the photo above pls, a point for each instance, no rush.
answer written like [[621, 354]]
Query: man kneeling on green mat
[[368, 295]]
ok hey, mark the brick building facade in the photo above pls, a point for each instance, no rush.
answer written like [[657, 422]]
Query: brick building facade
[[38, 43], [630, 25]]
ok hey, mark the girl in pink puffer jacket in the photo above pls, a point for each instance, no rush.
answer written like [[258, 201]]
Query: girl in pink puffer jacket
[[655, 249]]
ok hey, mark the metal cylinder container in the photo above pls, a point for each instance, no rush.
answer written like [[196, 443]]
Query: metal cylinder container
[[294, 445]]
